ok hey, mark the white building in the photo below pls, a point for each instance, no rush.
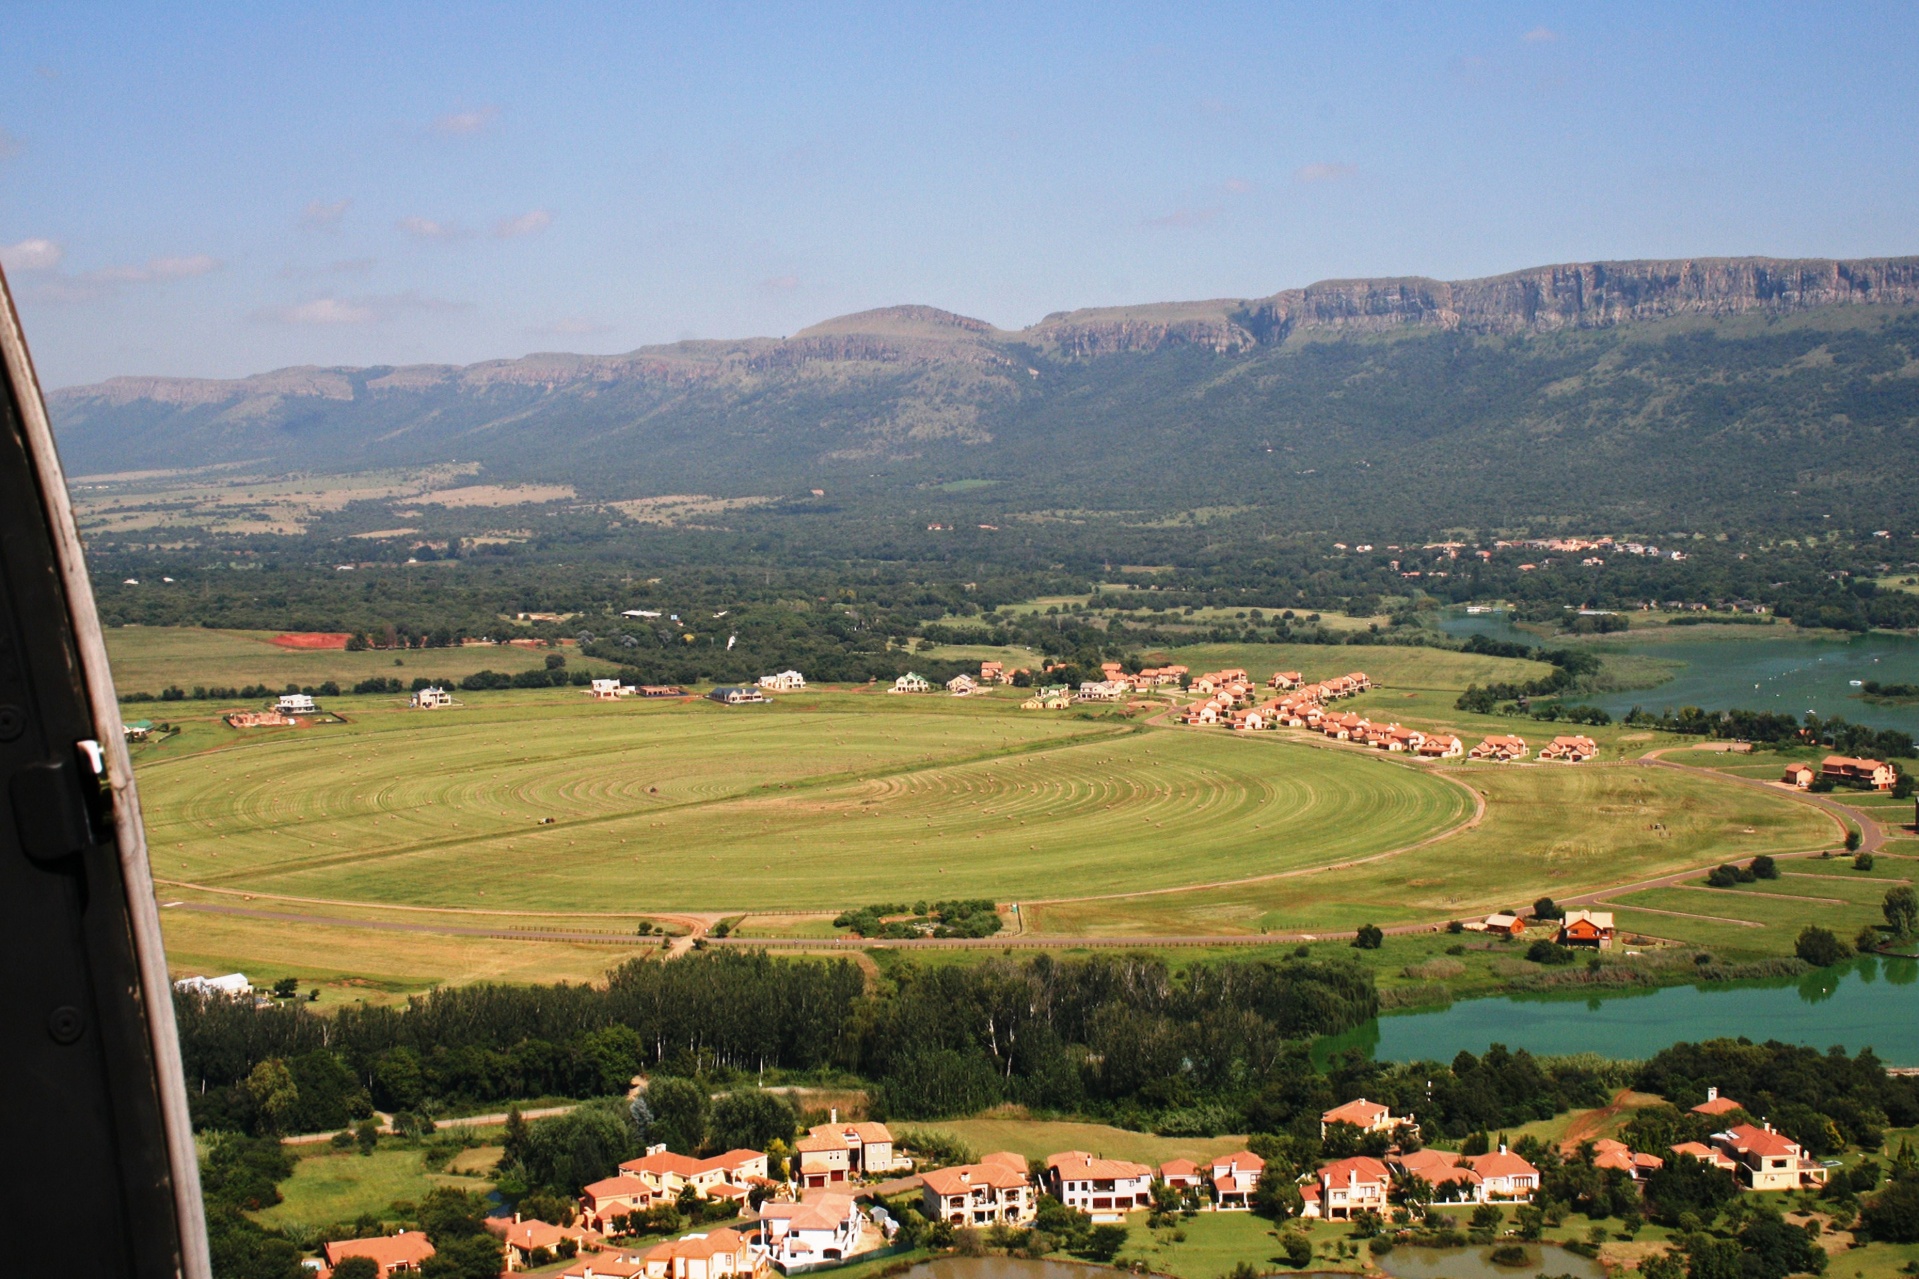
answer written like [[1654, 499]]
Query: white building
[[825, 1228], [232, 986], [784, 682], [912, 683], [295, 704], [1104, 1189], [427, 699]]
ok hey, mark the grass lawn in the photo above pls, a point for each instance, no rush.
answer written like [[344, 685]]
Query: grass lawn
[[819, 801], [328, 1187], [1038, 1138], [149, 658], [1215, 1242], [1548, 830]]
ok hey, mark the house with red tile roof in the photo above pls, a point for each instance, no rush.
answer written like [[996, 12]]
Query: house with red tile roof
[[667, 1173], [1504, 923], [1181, 1174], [393, 1254], [617, 1196], [1367, 1116], [1234, 1178], [869, 1148], [1574, 749], [1704, 1154], [1348, 1186], [607, 1265], [535, 1243], [716, 1254], [1500, 747], [1608, 1153], [1441, 746], [1452, 1179], [994, 1191], [1714, 1104], [1850, 771], [1285, 679], [1799, 776], [1504, 1175], [822, 1227], [1768, 1160], [1104, 1189]]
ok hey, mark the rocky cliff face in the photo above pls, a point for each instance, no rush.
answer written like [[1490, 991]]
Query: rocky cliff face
[[913, 339]]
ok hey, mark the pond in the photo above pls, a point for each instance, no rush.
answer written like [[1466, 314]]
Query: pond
[[1777, 668], [1867, 1003], [1477, 1263], [1000, 1267]]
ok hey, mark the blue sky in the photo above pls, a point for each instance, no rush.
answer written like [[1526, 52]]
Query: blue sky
[[218, 190]]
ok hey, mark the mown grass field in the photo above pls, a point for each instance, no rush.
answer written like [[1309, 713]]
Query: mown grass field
[[1548, 830], [1038, 1138], [146, 659], [820, 801]]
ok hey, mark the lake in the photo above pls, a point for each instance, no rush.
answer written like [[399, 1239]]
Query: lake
[[1869, 1002], [1777, 668], [1477, 1263]]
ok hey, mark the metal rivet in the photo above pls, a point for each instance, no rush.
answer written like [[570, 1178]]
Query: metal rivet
[[65, 1024], [13, 721]]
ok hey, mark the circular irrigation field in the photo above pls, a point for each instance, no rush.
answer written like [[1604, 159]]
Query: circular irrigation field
[[811, 804]]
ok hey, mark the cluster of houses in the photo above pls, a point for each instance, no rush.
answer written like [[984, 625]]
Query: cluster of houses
[[1844, 770], [612, 690], [814, 1220]]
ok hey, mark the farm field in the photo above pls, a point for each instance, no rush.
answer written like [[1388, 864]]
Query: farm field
[[820, 801], [1548, 830], [147, 659]]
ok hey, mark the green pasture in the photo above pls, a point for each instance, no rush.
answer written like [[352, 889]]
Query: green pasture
[[1037, 1138], [1743, 921], [329, 1186], [147, 659], [1548, 830], [816, 802]]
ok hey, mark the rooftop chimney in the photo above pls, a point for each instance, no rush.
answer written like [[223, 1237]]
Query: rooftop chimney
[[1712, 1094], [833, 1115], [1502, 1147]]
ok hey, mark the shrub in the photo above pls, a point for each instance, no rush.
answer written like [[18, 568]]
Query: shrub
[[1763, 867], [1369, 937], [1819, 947], [1862, 861], [1548, 952]]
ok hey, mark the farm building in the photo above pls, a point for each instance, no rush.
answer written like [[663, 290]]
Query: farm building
[[295, 704], [784, 682], [911, 683], [1848, 771], [735, 695], [137, 730], [427, 699], [1800, 776], [257, 719], [1503, 923]]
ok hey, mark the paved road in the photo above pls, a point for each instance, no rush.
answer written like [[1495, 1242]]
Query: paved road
[[464, 1121]]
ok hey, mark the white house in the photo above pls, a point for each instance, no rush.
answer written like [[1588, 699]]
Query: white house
[[912, 683], [1234, 1178], [961, 685], [295, 704], [427, 699], [784, 682], [232, 986], [606, 690], [826, 1227], [1104, 1189]]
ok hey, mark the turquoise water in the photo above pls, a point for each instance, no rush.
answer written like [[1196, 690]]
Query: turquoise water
[[1868, 1003], [1775, 669]]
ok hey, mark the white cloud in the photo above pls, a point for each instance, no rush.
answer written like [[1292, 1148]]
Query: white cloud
[[322, 311], [572, 327], [781, 284], [10, 145], [1324, 172], [526, 224], [459, 123], [428, 229], [320, 214], [1180, 218], [1540, 35], [32, 255], [357, 310]]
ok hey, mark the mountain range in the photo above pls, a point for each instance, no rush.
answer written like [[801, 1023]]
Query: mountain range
[[1734, 390]]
